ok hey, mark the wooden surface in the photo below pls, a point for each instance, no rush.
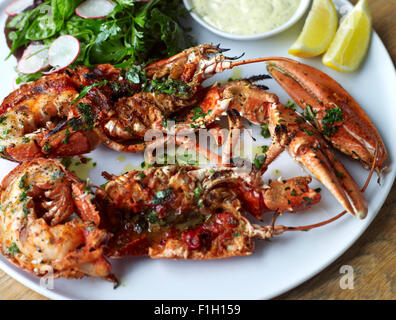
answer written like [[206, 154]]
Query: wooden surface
[[372, 257]]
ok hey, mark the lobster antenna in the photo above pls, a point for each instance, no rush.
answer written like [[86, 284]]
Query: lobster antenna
[[243, 62], [320, 224], [316, 225], [373, 166]]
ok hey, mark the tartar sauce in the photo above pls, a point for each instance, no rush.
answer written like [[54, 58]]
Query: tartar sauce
[[245, 16]]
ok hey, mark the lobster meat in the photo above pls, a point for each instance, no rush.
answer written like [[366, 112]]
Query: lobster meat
[[49, 225], [190, 213]]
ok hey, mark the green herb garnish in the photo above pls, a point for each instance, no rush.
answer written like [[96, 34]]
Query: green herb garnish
[[87, 114], [197, 192], [47, 147], [161, 195], [291, 105], [265, 131], [13, 249], [86, 89], [259, 161], [22, 182]]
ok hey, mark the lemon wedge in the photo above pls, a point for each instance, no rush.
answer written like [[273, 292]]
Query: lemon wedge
[[318, 32], [351, 41]]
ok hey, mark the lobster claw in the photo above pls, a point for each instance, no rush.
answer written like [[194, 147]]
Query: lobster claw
[[331, 110], [307, 147]]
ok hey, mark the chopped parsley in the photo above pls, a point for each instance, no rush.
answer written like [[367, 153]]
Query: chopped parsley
[[137, 75], [25, 210], [66, 139], [2, 119], [75, 123], [141, 175], [259, 161], [22, 182], [197, 113], [66, 162], [332, 116], [265, 131], [291, 105], [87, 114], [197, 192], [161, 195], [152, 217], [46, 147], [264, 149], [23, 196], [13, 249]]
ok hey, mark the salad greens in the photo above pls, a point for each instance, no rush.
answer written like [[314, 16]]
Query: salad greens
[[135, 32]]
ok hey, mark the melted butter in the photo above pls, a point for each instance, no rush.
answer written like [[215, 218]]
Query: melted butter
[[80, 169], [236, 74], [276, 173], [128, 168], [245, 16]]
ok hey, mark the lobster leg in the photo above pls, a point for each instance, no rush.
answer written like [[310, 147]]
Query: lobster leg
[[234, 133]]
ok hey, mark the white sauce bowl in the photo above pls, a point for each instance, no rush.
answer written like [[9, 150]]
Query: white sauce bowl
[[303, 7]]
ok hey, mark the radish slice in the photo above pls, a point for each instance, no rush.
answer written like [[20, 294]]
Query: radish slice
[[95, 9], [62, 52], [34, 59], [18, 6]]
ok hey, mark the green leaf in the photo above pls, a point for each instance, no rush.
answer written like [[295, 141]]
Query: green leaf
[[110, 51], [42, 27], [86, 89]]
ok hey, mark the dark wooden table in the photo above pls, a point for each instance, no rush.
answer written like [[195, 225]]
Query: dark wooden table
[[372, 256]]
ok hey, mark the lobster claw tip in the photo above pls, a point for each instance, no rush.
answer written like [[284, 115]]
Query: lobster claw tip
[[330, 171], [220, 50], [361, 214]]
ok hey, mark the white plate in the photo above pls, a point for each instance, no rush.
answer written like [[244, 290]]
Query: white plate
[[276, 266]]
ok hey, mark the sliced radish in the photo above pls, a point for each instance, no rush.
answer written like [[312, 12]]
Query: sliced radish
[[18, 6], [62, 52], [34, 59], [95, 9]]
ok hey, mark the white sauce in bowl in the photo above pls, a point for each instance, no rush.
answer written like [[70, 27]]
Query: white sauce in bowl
[[245, 16]]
